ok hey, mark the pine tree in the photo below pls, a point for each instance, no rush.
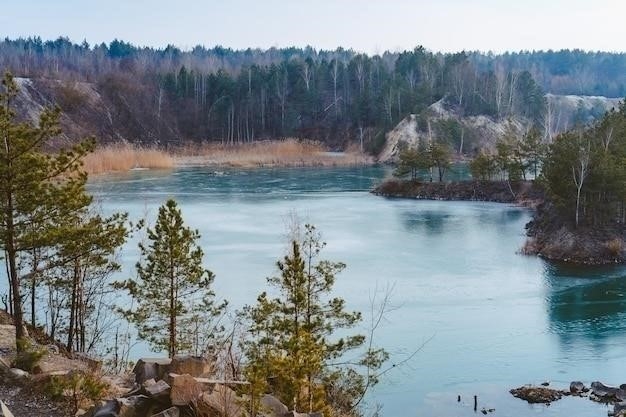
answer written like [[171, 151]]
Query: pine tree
[[38, 190], [291, 350], [172, 288]]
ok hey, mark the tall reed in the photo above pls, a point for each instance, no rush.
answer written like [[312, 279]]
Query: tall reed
[[124, 157]]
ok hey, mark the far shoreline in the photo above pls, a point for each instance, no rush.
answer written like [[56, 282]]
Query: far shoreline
[[286, 153]]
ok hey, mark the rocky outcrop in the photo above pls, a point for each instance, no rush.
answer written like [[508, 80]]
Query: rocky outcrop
[[599, 392], [163, 393], [406, 133], [537, 395], [478, 132]]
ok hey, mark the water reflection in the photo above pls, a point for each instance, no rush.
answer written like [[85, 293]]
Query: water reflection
[[428, 221], [586, 304]]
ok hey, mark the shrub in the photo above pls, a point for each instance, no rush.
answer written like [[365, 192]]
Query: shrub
[[78, 388], [28, 356], [615, 247], [70, 98]]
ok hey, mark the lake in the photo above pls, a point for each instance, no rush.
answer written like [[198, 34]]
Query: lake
[[489, 319]]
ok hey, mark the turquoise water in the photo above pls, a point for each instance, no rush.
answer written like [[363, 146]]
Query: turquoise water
[[490, 319]]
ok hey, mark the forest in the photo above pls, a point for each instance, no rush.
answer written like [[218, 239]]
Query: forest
[[166, 96]]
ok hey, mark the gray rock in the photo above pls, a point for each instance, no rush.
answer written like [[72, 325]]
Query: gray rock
[[19, 373], [274, 406], [108, 409], [619, 409], [156, 389], [604, 391], [4, 410], [576, 387], [151, 368], [170, 412], [134, 406]]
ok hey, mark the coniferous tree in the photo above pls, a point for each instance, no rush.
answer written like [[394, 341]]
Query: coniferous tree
[[172, 287], [38, 191], [293, 342]]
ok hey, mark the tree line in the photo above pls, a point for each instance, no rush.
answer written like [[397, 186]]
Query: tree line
[[582, 171], [168, 95], [60, 252]]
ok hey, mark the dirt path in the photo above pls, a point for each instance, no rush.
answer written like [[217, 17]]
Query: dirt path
[[23, 403]]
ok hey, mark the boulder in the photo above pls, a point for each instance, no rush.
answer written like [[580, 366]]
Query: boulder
[[184, 389], [222, 401], [19, 373], [135, 406], [107, 409], [147, 368], [192, 365], [577, 387], [156, 390], [605, 393], [170, 412], [4, 410], [536, 395], [273, 405], [619, 409]]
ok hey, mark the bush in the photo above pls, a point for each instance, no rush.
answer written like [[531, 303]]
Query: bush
[[28, 356], [70, 98], [78, 388], [615, 247]]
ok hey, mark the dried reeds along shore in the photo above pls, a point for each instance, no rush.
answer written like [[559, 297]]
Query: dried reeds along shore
[[275, 153], [124, 157]]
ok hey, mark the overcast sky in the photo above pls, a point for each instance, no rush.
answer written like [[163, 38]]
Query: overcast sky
[[365, 25]]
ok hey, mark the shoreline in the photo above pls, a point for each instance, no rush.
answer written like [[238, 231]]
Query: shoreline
[[549, 235], [123, 157]]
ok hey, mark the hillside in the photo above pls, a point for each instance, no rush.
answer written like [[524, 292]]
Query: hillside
[[469, 134], [340, 98], [115, 113]]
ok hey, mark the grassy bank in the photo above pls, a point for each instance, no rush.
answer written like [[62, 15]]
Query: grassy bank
[[278, 153]]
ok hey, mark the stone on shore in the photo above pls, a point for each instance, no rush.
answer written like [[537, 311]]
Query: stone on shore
[[577, 387], [537, 395]]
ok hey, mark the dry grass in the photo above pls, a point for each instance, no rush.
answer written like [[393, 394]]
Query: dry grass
[[283, 153], [615, 247], [288, 152], [124, 157]]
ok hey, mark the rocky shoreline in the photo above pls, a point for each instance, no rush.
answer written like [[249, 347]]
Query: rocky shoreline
[[549, 235], [597, 392]]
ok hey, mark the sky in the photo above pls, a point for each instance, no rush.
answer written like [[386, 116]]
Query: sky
[[364, 25]]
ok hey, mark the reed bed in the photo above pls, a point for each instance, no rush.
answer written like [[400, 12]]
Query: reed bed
[[124, 157], [284, 153], [287, 152]]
